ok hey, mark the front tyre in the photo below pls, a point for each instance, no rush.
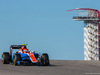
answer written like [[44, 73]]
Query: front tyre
[[5, 58], [45, 59], [17, 58]]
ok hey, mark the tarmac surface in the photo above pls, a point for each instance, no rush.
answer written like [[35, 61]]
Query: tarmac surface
[[57, 67]]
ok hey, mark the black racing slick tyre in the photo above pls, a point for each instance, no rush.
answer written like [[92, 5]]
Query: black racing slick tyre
[[5, 58], [17, 57], [45, 59]]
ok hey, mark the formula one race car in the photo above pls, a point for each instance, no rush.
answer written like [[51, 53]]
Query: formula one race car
[[24, 56]]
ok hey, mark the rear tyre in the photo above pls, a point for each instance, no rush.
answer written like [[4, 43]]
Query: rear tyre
[[5, 58], [17, 58], [45, 59]]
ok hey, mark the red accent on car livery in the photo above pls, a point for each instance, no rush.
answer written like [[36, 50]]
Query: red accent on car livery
[[32, 57]]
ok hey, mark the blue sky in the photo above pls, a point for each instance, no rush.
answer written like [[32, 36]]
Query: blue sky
[[45, 26]]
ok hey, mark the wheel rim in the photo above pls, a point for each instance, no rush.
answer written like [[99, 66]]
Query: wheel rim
[[43, 60], [15, 60], [3, 59]]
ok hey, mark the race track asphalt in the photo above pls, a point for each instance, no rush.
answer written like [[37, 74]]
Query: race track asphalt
[[57, 67]]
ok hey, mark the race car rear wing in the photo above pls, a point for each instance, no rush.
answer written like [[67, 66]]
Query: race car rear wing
[[16, 47]]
